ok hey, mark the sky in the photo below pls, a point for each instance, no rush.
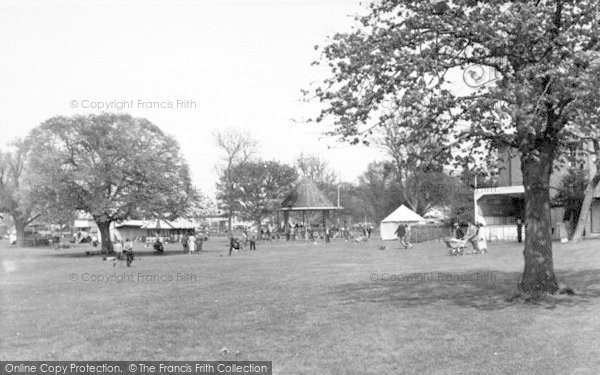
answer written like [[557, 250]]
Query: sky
[[209, 65]]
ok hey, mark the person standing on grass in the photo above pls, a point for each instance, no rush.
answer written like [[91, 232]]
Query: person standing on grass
[[192, 243], [245, 235], [118, 248], [327, 234], [128, 250], [252, 238], [185, 242], [479, 242], [401, 233], [199, 242], [407, 238]]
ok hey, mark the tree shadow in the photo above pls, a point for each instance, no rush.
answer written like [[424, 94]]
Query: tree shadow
[[479, 289]]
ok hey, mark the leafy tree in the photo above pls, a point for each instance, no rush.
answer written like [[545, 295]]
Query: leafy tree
[[260, 186], [238, 148], [112, 166], [15, 197], [316, 169], [425, 191], [406, 56]]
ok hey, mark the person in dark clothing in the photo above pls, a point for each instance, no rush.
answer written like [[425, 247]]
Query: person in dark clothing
[[459, 231], [369, 230], [402, 234], [158, 246], [185, 241], [233, 244], [519, 229], [252, 238]]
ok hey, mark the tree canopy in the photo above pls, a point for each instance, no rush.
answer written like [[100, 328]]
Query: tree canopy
[[259, 187], [112, 166]]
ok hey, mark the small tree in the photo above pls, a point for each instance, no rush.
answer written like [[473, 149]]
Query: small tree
[[237, 148], [260, 186]]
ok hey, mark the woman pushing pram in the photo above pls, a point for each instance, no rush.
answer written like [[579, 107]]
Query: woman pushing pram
[[457, 244]]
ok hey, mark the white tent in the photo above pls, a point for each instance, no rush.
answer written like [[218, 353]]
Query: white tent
[[402, 215]]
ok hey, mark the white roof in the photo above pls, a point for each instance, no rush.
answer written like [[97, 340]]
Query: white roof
[[403, 214], [131, 223]]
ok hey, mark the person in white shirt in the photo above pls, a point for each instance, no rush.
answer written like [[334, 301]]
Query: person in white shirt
[[192, 243], [118, 248]]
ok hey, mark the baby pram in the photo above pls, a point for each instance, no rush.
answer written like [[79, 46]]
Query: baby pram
[[458, 246]]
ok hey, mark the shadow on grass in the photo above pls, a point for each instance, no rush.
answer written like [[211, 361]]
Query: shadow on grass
[[478, 289]]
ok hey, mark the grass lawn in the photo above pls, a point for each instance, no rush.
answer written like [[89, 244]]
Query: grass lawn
[[311, 309]]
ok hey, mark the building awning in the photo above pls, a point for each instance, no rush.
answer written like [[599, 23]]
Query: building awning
[[512, 191]]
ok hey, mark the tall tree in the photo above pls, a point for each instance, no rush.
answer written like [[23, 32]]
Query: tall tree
[[112, 166], [15, 197], [260, 186], [543, 66], [237, 148]]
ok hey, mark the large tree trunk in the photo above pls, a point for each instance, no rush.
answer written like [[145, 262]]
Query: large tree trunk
[[104, 227], [538, 276], [591, 186], [20, 229]]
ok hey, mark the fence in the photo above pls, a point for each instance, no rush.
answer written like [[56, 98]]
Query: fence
[[423, 233]]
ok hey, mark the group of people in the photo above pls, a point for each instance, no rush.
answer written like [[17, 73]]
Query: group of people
[[249, 237], [124, 249], [191, 243], [476, 238]]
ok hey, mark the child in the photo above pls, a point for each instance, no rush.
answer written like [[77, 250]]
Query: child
[[158, 246]]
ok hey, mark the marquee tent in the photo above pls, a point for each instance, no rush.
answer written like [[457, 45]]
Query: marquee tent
[[402, 215]]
